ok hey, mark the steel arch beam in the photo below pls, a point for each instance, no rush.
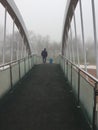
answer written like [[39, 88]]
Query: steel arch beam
[[70, 7], [16, 16]]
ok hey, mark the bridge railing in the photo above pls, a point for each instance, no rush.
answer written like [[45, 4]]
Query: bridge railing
[[37, 59], [85, 90], [14, 40], [11, 73]]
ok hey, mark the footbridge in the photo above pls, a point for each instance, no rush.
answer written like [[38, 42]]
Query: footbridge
[[58, 96]]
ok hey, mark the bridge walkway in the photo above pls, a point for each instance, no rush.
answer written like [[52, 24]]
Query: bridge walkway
[[42, 101]]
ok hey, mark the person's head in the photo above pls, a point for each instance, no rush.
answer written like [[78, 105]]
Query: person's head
[[44, 49]]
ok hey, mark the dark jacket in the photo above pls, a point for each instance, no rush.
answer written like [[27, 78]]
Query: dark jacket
[[44, 53]]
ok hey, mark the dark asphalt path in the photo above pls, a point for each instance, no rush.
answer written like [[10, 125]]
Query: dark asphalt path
[[44, 101]]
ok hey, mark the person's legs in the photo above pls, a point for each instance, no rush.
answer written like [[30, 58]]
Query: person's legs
[[45, 60]]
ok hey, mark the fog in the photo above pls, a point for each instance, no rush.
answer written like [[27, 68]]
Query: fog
[[44, 17]]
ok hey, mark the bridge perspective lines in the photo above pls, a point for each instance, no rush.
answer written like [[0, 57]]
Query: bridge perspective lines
[[42, 101], [54, 96]]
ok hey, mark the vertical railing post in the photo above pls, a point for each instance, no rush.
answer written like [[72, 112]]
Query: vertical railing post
[[33, 60], [64, 65], [11, 76], [71, 74], [67, 68], [78, 88], [17, 50], [25, 65], [69, 51], [29, 61], [19, 69], [22, 47], [61, 61], [94, 108], [36, 60], [24, 51]]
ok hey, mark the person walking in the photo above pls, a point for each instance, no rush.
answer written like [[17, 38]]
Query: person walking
[[44, 55]]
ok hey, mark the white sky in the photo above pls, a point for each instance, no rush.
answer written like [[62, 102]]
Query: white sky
[[43, 17]]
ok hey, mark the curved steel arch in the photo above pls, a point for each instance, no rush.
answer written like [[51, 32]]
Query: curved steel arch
[[70, 7], [16, 16]]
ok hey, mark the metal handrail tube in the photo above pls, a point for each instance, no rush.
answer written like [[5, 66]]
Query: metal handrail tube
[[95, 90], [13, 71], [13, 62], [86, 73]]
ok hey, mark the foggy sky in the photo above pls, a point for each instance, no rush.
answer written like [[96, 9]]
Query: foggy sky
[[44, 17]]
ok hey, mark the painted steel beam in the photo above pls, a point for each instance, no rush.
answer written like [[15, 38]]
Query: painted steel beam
[[70, 7], [15, 14]]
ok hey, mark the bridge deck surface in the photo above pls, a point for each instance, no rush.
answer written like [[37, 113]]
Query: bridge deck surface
[[43, 101]]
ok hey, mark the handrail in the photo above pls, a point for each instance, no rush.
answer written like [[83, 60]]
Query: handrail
[[92, 120], [15, 61], [86, 73]]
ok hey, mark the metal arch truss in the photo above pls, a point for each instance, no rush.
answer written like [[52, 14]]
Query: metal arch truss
[[69, 12], [16, 16]]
